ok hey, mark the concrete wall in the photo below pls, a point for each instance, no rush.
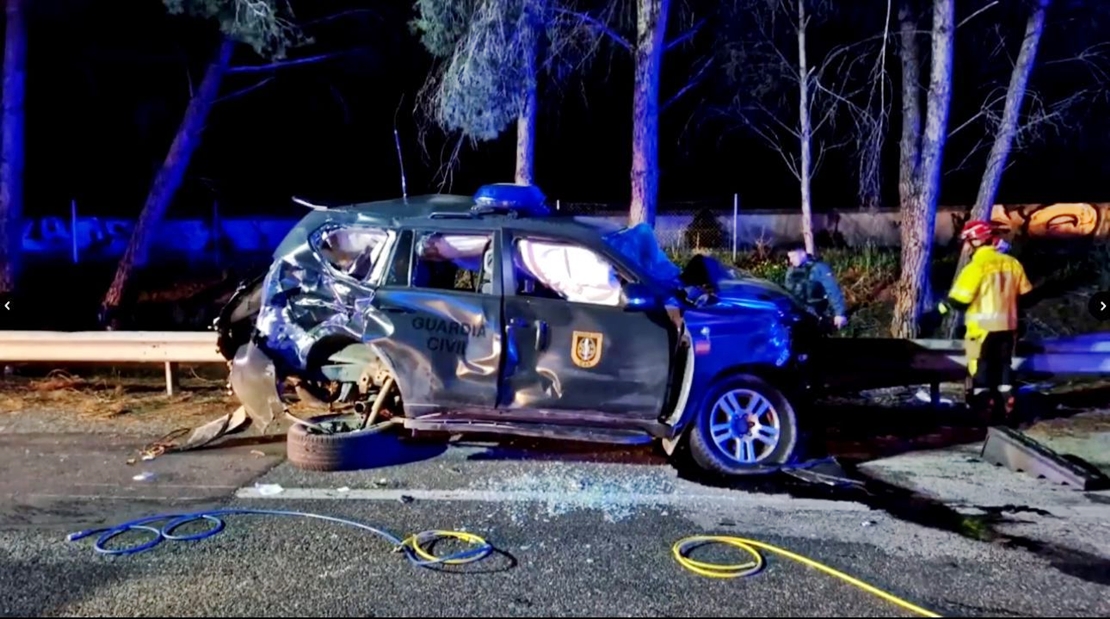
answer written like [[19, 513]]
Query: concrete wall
[[53, 238]]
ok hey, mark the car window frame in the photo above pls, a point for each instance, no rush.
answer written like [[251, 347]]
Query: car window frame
[[630, 276], [495, 235], [373, 278]]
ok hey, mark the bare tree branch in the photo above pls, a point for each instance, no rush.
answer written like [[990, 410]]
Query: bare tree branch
[[685, 36], [284, 64], [244, 91], [698, 77], [981, 10], [597, 24], [340, 15]]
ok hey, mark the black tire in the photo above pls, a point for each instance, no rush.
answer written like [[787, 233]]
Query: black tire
[[343, 451], [708, 456]]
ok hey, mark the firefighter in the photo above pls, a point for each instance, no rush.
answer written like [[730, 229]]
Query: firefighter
[[812, 282], [988, 290]]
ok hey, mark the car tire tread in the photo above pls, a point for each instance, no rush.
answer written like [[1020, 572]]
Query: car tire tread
[[342, 451]]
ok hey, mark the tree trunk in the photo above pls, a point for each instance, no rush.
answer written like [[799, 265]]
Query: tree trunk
[[526, 123], [651, 27], [169, 178], [805, 130], [1007, 129], [1015, 96], [11, 146], [910, 146], [919, 220]]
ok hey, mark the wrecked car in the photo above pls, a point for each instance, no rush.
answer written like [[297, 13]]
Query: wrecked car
[[491, 314]]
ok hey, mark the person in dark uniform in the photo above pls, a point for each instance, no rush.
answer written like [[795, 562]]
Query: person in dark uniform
[[812, 282]]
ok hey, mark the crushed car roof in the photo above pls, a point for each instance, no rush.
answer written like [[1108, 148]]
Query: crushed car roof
[[453, 210]]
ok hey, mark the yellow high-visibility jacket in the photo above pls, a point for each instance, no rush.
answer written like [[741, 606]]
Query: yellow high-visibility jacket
[[990, 285]]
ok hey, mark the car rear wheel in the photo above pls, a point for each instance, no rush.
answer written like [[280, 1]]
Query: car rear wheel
[[745, 427]]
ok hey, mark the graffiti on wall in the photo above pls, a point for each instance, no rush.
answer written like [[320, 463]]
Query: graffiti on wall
[[1059, 220]]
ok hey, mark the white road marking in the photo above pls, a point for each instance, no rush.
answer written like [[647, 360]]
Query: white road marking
[[493, 496], [677, 500]]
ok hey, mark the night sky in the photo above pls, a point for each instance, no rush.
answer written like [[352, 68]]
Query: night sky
[[107, 84]]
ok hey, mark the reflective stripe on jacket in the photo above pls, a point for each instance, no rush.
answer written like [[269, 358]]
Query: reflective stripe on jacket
[[990, 285]]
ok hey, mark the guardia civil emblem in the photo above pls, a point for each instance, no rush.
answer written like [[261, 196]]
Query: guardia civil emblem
[[586, 348]]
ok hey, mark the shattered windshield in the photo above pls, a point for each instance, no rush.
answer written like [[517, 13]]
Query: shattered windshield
[[638, 245]]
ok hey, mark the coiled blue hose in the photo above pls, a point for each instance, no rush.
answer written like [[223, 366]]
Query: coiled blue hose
[[413, 546]]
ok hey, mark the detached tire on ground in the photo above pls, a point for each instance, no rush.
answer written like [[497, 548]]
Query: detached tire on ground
[[342, 451], [745, 426]]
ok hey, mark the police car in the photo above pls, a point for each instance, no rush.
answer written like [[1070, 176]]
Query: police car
[[491, 314]]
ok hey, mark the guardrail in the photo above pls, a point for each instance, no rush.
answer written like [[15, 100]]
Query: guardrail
[[167, 347], [870, 363], [843, 362]]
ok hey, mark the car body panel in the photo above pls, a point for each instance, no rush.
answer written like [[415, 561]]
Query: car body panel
[[494, 355]]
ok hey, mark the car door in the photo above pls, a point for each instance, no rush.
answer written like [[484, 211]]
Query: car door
[[571, 345], [442, 295]]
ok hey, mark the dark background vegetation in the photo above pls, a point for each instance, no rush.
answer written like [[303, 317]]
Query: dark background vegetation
[[108, 81]]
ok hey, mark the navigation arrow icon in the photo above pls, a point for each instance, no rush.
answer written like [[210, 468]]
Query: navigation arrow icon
[[1099, 305]]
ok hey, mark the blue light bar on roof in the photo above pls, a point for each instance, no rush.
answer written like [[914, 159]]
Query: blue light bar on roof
[[524, 199]]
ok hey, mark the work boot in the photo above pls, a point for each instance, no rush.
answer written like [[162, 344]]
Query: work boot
[[980, 406]]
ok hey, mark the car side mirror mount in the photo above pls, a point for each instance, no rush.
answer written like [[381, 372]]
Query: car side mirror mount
[[637, 296]]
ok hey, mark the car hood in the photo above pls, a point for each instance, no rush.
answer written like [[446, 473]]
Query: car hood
[[733, 288], [754, 293]]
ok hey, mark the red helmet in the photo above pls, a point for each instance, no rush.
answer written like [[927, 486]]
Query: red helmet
[[977, 230]]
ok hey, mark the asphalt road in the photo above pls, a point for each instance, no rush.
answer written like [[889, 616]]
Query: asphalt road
[[579, 537]]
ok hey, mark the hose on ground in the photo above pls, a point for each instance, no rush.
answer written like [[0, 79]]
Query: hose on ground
[[683, 547], [415, 547]]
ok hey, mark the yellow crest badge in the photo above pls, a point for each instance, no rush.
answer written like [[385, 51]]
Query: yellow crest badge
[[585, 348]]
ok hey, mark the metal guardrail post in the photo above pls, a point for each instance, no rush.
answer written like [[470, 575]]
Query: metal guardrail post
[[172, 383]]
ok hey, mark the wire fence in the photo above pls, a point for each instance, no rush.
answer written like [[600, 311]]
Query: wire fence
[[719, 225], [679, 226]]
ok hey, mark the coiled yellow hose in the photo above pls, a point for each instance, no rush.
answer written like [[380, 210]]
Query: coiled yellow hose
[[683, 546]]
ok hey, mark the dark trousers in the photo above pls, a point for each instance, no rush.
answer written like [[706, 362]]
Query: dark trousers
[[991, 372]]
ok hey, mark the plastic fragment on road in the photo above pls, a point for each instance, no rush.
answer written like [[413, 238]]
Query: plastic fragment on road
[[269, 489], [144, 476]]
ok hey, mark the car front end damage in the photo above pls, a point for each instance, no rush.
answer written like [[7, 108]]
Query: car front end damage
[[302, 326]]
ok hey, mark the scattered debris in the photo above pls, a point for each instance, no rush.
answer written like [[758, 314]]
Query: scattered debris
[[869, 523], [343, 489], [1019, 453], [144, 476], [583, 490], [258, 453], [231, 423], [269, 489], [406, 499]]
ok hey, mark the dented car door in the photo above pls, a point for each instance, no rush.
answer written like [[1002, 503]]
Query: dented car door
[[571, 344], [444, 303]]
